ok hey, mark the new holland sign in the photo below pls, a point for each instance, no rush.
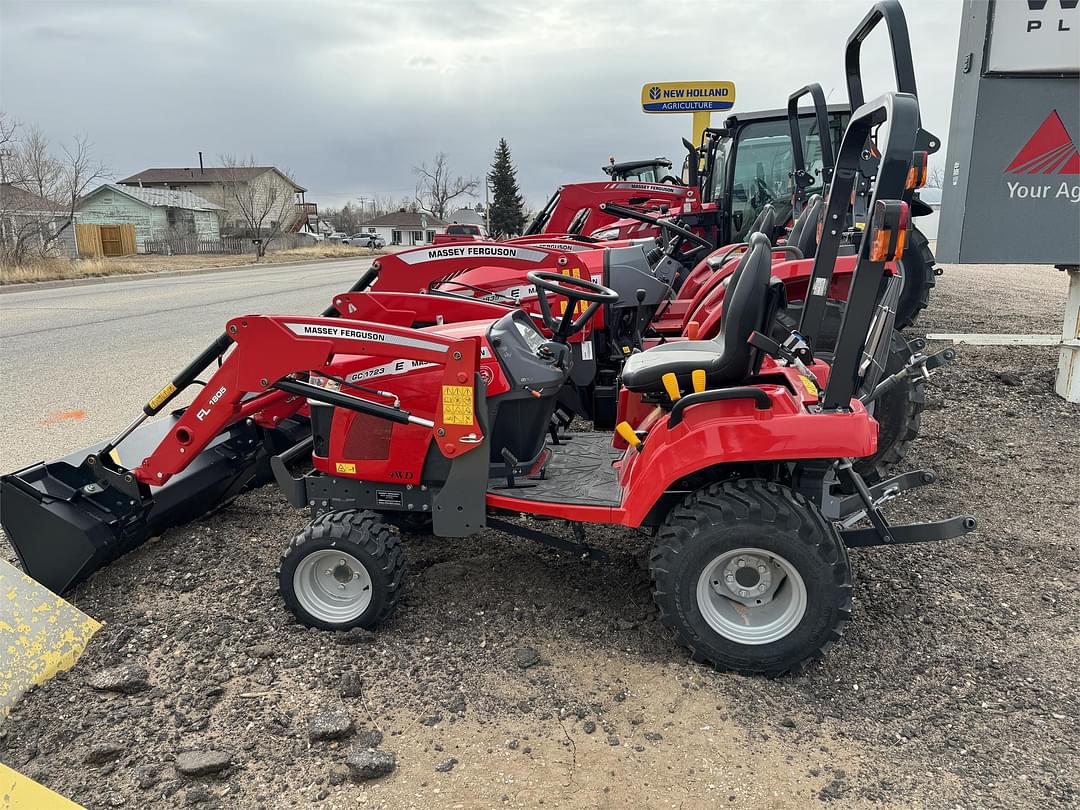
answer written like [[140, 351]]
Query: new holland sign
[[687, 97]]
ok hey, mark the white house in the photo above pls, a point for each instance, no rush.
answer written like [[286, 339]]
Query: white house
[[405, 227]]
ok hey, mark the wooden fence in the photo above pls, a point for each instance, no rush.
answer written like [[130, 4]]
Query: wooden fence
[[176, 245], [105, 240]]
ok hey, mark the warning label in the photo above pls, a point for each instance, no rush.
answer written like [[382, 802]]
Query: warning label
[[457, 405]]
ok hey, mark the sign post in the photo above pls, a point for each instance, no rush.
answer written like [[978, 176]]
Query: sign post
[[1012, 180], [698, 98]]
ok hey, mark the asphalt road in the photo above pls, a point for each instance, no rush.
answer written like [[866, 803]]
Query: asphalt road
[[79, 362]]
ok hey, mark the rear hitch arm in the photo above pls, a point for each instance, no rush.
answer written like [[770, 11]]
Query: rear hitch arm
[[918, 368]]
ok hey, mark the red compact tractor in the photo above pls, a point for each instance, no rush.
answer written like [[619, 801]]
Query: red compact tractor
[[756, 173], [738, 450]]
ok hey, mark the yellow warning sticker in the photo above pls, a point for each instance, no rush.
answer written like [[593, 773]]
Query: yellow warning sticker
[[345, 467], [811, 389], [21, 793], [40, 635], [159, 398], [457, 405]]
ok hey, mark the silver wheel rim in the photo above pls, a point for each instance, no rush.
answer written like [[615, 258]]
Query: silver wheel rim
[[751, 596], [333, 586]]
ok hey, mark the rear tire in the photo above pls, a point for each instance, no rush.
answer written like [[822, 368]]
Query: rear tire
[[919, 279], [345, 570], [725, 527], [898, 412]]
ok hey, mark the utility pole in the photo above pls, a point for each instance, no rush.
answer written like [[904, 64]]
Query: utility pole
[[487, 203], [4, 155]]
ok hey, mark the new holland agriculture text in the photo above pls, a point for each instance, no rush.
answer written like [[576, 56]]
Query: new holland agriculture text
[[685, 97]]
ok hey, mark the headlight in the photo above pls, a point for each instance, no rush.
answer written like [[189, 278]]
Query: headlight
[[606, 234]]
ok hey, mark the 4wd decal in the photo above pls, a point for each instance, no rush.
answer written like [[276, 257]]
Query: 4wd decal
[[473, 251]]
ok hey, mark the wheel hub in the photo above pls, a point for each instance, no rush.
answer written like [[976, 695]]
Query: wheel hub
[[751, 596], [334, 586], [748, 578]]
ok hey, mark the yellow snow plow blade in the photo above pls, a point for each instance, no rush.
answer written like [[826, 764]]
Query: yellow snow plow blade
[[40, 635], [20, 793]]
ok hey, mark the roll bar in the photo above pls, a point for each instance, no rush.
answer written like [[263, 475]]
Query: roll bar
[[802, 178], [904, 69], [901, 110]]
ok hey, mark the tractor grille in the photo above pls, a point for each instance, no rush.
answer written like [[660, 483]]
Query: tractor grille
[[368, 438]]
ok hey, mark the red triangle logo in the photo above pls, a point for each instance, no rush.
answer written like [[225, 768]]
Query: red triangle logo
[[1049, 151]]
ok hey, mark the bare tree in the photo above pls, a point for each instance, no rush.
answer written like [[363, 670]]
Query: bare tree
[[436, 188], [36, 169], [9, 139], [935, 177], [265, 205], [38, 204], [78, 172]]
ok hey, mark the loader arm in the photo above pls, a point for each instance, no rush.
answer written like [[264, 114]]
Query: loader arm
[[270, 349]]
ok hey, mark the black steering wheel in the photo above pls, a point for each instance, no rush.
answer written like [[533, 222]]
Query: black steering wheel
[[574, 289]]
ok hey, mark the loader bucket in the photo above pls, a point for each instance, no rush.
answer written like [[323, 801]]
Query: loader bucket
[[64, 530]]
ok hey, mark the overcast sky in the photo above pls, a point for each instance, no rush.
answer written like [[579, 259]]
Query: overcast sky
[[349, 96]]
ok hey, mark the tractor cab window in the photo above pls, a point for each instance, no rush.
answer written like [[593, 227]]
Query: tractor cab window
[[646, 174], [763, 167]]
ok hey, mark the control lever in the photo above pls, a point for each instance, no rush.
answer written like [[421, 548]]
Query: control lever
[[794, 351], [635, 328], [918, 367]]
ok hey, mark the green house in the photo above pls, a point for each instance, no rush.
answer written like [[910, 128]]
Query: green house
[[157, 213]]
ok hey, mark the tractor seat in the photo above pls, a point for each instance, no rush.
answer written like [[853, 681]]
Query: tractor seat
[[726, 360], [804, 232]]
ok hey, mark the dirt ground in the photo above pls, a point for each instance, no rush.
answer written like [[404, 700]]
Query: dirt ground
[[956, 685]]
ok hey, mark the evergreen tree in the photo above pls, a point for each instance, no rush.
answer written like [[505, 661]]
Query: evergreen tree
[[507, 206]]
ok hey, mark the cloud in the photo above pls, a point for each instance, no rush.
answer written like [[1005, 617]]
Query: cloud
[[421, 61], [349, 96]]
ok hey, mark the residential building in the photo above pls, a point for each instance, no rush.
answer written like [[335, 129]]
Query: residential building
[[405, 227], [156, 213], [30, 224], [273, 191]]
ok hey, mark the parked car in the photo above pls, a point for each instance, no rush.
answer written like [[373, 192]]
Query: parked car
[[370, 240], [462, 233]]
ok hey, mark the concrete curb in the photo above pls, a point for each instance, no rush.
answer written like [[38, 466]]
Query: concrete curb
[[29, 286]]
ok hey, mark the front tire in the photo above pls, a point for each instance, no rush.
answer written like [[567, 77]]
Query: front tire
[[751, 578], [345, 570]]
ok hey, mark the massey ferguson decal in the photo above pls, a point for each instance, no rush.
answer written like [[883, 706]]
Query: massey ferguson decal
[[652, 188], [348, 333], [473, 251], [565, 247], [1049, 151]]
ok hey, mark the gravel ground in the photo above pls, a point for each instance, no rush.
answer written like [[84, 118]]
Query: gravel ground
[[515, 676]]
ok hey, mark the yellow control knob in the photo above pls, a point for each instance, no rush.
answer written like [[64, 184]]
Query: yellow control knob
[[671, 385]]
